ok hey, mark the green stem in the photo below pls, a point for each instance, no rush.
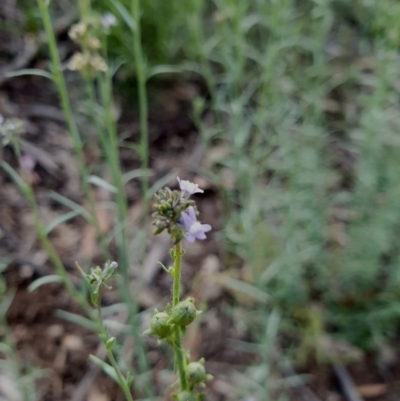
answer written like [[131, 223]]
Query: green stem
[[177, 274], [106, 146], [67, 110], [111, 147], [140, 66], [179, 359], [141, 76], [121, 379], [84, 8], [110, 144]]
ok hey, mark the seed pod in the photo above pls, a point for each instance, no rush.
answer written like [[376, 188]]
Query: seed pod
[[184, 313], [159, 325], [195, 373]]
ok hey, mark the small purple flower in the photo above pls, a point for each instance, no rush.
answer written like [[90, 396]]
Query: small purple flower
[[195, 230], [189, 188], [108, 20]]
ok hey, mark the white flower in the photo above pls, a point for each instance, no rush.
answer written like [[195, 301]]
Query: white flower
[[189, 188]]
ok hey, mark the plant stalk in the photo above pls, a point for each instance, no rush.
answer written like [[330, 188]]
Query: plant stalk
[[140, 66], [121, 379], [179, 358], [67, 110]]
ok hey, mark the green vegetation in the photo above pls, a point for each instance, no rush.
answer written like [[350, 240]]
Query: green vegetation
[[303, 99]]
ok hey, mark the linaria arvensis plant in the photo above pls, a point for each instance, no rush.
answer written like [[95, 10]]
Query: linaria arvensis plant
[[176, 213]]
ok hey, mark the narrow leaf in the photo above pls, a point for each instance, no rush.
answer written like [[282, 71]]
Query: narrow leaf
[[125, 14], [245, 288], [163, 69], [105, 366], [130, 175], [77, 319], [70, 204], [61, 219], [21, 184], [51, 278], [161, 183], [99, 182], [30, 71]]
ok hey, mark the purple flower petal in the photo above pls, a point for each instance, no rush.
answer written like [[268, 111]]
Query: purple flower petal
[[188, 188], [192, 214], [194, 229], [191, 238], [189, 218]]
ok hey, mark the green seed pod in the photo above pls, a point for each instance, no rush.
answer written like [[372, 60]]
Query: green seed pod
[[195, 373], [184, 313], [159, 325], [185, 396]]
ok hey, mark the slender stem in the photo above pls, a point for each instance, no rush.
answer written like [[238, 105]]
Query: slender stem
[[177, 274], [110, 145], [67, 110], [179, 359], [121, 379], [140, 66], [84, 8], [141, 76], [99, 129]]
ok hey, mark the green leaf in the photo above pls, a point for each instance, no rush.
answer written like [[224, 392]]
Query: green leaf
[[163, 69], [51, 278], [245, 288], [6, 302], [130, 175], [108, 369], [70, 204], [77, 319], [161, 183], [99, 182], [21, 184], [30, 71], [125, 14], [61, 219]]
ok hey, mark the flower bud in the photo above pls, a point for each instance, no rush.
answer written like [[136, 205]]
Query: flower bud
[[196, 373], [184, 313], [159, 325], [110, 343]]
